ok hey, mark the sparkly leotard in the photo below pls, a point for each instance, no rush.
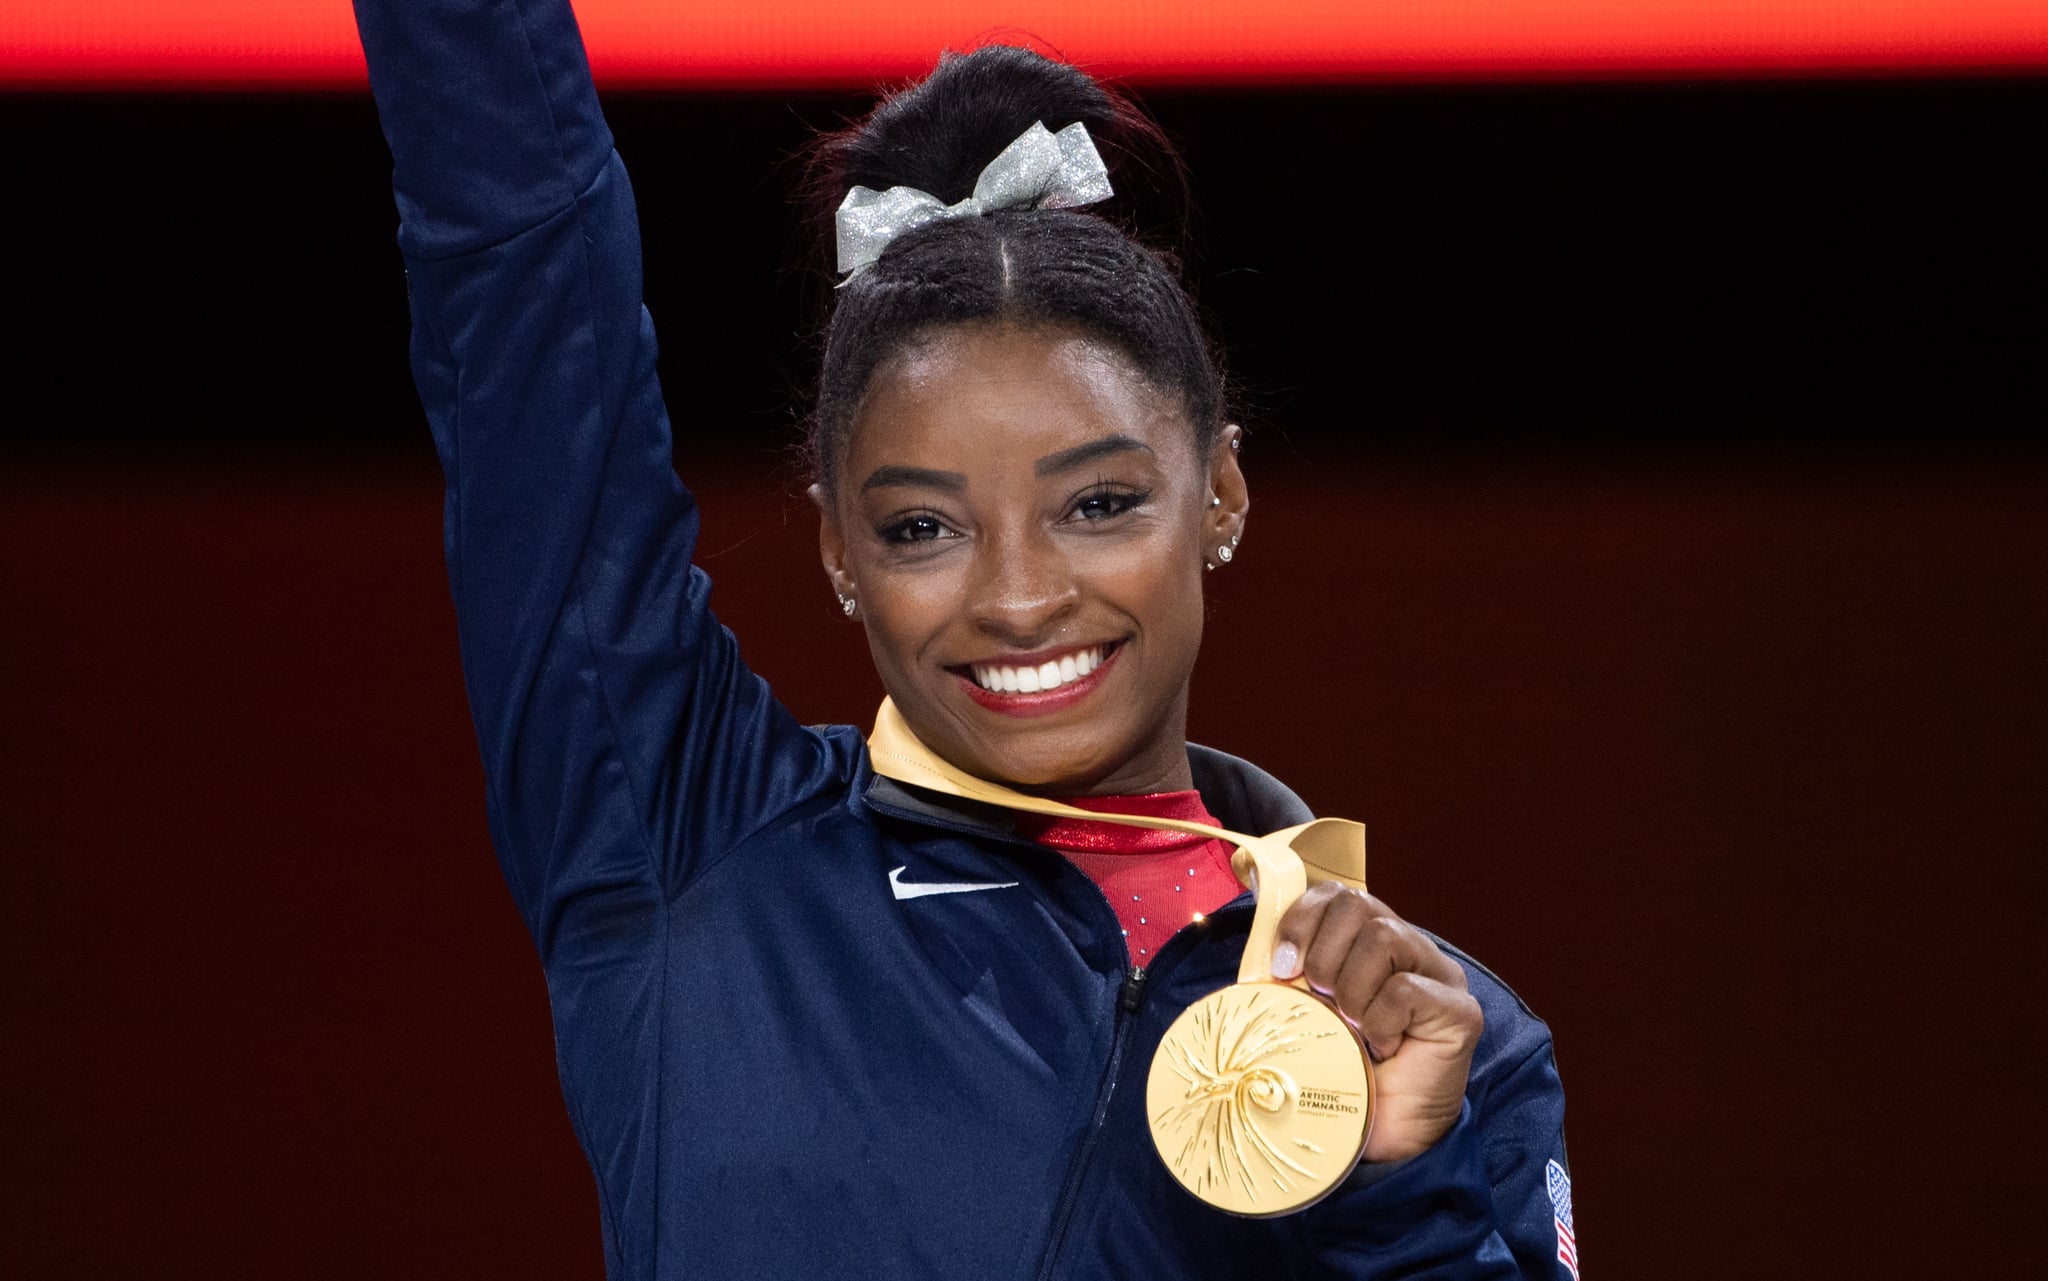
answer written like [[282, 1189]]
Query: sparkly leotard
[[1157, 881]]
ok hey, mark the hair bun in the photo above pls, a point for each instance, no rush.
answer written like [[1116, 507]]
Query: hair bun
[[938, 135]]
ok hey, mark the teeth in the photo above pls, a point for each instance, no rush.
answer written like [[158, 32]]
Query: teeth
[[1036, 680]]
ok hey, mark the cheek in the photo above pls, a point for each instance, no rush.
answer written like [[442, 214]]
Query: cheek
[[904, 612], [1159, 582], [1182, 612]]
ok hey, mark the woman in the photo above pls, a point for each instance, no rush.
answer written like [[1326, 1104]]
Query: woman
[[812, 1021]]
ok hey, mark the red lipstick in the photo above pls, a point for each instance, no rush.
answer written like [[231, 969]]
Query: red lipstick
[[1041, 702]]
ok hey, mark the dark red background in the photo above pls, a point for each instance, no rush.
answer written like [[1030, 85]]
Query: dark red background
[[1716, 731]]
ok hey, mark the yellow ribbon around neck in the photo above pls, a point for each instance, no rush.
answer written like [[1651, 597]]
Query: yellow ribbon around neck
[[1275, 867]]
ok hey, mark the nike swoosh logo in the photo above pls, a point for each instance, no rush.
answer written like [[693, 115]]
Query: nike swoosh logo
[[917, 889]]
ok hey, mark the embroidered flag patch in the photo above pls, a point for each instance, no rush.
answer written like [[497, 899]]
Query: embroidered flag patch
[[1561, 1210]]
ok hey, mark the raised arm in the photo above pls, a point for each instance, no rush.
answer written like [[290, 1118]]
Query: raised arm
[[624, 744]]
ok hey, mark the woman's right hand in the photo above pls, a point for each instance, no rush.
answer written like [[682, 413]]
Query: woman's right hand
[[1406, 997]]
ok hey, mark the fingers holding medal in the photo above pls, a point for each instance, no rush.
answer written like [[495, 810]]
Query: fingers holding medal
[[1406, 997]]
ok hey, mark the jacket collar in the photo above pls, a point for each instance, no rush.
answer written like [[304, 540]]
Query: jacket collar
[[1242, 796]]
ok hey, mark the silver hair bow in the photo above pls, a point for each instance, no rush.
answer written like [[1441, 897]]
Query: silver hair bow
[[1040, 170]]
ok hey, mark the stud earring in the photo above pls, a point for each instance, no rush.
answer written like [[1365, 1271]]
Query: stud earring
[[847, 605], [1224, 553], [1214, 501]]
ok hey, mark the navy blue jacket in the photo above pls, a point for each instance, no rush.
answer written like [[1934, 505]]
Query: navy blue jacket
[[776, 1068]]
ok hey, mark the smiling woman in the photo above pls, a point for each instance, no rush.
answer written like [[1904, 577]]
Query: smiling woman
[[1055, 520], [956, 1000]]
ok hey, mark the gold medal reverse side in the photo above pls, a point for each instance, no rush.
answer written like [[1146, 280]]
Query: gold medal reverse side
[[1260, 1099]]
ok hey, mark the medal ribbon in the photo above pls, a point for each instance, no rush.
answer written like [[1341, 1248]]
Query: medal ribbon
[[1275, 867]]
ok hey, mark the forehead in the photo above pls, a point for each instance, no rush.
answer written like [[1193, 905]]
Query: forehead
[[988, 394]]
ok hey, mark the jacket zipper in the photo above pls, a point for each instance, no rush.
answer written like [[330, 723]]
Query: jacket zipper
[[1133, 991], [1129, 996]]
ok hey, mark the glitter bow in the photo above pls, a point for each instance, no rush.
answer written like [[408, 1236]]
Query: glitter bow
[[1040, 170]]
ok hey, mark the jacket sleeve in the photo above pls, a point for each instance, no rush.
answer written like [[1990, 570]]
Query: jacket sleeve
[[1491, 1199], [625, 745]]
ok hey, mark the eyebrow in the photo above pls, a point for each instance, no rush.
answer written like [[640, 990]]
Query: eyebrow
[[896, 476], [919, 477], [1052, 464]]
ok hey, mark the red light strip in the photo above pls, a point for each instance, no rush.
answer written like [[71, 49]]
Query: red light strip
[[762, 43]]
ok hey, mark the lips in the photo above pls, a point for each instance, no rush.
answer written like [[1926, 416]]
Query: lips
[[1028, 678], [1034, 684]]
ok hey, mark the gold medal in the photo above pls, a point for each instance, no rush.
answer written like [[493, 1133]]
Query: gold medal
[[1260, 1095], [1260, 1099]]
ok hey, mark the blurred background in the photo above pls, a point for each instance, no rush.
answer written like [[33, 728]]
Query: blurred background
[[1648, 543]]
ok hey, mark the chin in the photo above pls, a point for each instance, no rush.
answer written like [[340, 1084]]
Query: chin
[[1067, 762], [1063, 777], [1036, 767]]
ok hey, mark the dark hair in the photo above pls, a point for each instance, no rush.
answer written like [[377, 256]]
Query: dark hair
[[1071, 268]]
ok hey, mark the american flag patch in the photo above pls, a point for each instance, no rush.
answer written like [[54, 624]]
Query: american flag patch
[[1561, 1211]]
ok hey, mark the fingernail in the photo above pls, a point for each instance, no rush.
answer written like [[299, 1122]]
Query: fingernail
[[1285, 958]]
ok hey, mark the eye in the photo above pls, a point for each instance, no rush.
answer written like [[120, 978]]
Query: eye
[[1106, 501], [918, 527]]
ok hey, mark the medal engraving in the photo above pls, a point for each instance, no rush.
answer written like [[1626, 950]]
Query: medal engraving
[[1260, 1099]]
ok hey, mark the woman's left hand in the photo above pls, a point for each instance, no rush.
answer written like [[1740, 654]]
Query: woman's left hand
[[1405, 997]]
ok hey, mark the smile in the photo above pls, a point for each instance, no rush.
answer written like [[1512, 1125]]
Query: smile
[[1001, 678], [1040, 683]]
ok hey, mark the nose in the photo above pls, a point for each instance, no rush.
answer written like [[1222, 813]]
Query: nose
[[1023, 589]]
